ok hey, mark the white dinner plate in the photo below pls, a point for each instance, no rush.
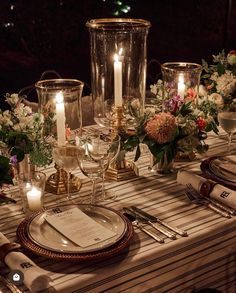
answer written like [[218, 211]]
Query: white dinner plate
[[224, 167], [44, 235]]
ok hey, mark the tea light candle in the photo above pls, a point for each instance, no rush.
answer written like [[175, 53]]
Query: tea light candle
[[61, 119], [117, 81], [34, 199], [181, 86]]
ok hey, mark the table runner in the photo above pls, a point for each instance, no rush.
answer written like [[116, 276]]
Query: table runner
[[207, 258]]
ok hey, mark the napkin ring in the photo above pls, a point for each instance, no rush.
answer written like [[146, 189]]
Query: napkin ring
[[6, 248]]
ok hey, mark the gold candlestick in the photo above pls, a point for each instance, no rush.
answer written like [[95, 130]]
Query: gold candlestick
[[121, 169], [57, 182]]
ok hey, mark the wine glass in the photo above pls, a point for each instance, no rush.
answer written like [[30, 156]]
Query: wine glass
[[66, 157], [227, 120], [97, 151]]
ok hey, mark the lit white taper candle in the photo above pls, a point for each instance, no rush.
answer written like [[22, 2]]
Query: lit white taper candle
[[117, 81], [61, 119], [181, 86]]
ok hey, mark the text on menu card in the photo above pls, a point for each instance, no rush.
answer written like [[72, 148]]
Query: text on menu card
[[79, 227]]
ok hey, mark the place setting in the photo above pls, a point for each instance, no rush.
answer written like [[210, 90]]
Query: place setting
[[46, 233], [203, 191]]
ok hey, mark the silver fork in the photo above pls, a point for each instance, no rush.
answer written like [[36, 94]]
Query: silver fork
[[203, 201], [196, 194]]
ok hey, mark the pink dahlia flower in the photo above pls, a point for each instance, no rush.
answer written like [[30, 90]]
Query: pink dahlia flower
[[161, 127]]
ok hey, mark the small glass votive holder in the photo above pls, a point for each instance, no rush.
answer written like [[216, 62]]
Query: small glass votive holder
[[181, 79], [32, 187]]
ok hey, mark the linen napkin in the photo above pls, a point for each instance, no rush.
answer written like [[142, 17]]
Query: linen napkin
[[217, 191], [35, 278]]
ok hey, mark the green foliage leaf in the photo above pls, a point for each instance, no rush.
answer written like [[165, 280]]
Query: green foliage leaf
[[220, 68]]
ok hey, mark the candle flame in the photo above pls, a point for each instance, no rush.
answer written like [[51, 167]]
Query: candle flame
[[120, 51], [116, 58], [59, 98]]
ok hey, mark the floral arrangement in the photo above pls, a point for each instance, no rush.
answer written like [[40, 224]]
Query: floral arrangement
[[21, 133], [218, 84], [170, 125], [174, 125]]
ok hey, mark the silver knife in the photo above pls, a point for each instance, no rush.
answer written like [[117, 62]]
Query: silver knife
[[152, 219], [143, 229], [151, 222]]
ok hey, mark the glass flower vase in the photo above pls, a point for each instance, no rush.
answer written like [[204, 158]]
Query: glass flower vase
[[162, 167]]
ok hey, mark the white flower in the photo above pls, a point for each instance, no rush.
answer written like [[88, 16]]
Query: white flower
[[150, 111], [5, 119], [202, 91], [135, 104], [217, 99], [231, 57], [12, 99], [156, 89], [226, 83]]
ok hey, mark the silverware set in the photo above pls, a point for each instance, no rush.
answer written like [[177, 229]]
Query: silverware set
[[195, 197], [140, 218]]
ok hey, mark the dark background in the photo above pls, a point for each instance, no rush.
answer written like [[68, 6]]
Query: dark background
[[37, 35]]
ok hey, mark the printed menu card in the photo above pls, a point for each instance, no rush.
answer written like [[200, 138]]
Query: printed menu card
[[79, 227]]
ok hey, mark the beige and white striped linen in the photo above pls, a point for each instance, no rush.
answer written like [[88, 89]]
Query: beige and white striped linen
[[206, 258]]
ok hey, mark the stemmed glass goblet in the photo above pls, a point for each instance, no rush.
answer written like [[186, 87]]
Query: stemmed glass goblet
[[97, 151], [66, 157], [227, 120]]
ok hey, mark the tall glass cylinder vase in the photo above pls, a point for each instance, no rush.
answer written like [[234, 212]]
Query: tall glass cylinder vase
[[61, 99], [60, 102], [118, 65]]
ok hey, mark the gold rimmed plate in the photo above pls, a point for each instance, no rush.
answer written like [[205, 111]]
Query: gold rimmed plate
[[221, 169], [56, 250], [43, 234]]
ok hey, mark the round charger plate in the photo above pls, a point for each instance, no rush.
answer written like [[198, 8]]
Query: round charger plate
[[43, 234], [211, 169], [24, 239]]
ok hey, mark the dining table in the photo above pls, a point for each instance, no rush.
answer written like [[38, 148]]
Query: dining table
[[206, 258]]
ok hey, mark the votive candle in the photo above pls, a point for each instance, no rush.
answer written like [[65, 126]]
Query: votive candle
[[34, 199]]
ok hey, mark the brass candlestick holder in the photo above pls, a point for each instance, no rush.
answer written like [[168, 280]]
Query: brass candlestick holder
[[120, 169], [57, 182]]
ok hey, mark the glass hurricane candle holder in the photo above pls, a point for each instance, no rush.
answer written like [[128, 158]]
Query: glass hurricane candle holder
[[60, 100], [181, 79], [118, 66]]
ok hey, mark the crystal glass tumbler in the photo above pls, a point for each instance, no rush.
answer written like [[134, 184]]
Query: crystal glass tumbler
[[181, 79], [118, 65], [60, 101]]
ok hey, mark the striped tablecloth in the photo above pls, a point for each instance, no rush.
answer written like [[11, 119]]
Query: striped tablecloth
[[206, 258]]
